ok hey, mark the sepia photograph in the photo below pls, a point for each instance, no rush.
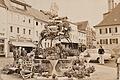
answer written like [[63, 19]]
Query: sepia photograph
[[59, 39]]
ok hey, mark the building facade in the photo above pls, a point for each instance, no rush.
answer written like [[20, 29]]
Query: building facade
[[108, 30], [73, 44], [87, 33], [3, 30], [20, 25], [73, 36]]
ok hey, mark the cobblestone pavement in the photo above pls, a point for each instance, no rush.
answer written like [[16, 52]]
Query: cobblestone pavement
[[5, 61], [102, 72]]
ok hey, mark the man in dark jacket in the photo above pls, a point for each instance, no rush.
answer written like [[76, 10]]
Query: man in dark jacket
[[101, 55]]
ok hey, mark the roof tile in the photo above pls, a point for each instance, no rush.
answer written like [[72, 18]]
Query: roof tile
[[82, 25], [113, 18], [2, 3]]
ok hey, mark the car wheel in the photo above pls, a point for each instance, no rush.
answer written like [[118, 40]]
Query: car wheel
[[98, 59]]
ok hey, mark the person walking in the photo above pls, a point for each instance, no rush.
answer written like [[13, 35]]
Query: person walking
[[23, 52], [101, 55], [15, 54], [19, 52], [118, 66]]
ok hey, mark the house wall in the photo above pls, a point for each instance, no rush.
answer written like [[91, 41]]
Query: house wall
[[108, 36], [3, 31], [82, 37]]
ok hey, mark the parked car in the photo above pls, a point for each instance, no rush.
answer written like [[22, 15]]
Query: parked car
[[95, 56]]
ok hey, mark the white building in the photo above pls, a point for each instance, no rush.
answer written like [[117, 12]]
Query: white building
[[87, 34], [73, 37], [82, 37], [3, 30], [20, 25], [108, 30]]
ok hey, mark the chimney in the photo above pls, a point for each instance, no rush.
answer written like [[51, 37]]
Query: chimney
[[113, 4], [110, 5]]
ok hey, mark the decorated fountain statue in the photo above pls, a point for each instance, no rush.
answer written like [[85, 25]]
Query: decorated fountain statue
[[61, 65]]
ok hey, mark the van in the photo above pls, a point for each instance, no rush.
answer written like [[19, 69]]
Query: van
[[95, 56]]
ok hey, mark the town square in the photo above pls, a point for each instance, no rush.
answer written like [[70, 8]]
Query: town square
[[59, 40]]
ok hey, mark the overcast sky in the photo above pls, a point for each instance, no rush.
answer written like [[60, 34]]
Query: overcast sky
[[76, 10]]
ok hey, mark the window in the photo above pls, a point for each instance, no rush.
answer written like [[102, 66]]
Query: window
[[65, 45], [106, 41], [36, 33], [48, 44], [100, 41], [17, 29], [114, 41], [36, 23], [29, 21], [11, 28], [103, 31], [23, 20], [100, 31], [24, 31], [109, 30], [45, 44], [29, 32], [110, 41], [103, 41], [115, 29], [106, 30]]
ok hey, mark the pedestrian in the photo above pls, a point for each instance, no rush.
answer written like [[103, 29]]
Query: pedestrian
[[15, 54], [23, 52], [101, 55], [118, 66], [19, 52], [87, 57]]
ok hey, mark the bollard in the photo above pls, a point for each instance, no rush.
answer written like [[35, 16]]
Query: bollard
[[118, 67], [118, 70]]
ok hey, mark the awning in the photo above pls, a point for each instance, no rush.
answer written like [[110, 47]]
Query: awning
[[23, 44]]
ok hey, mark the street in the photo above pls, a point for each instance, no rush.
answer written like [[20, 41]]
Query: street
[[110, 63], [103, 72]]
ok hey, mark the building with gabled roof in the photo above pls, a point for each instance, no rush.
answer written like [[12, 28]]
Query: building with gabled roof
[[108, 30], [112, 18], [20, 25], [88, 33], [82, 25]]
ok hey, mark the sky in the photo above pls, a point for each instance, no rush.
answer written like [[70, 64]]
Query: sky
[[76, 10]]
